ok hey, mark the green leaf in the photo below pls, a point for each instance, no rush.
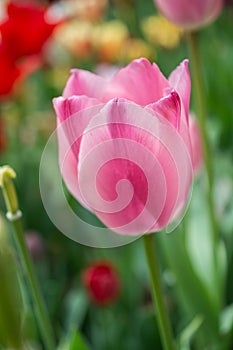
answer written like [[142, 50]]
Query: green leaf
[[187, 334], [74, 342], [226, 320], [191, 292], [77, 342], [200, 248], [190, 255], [76, 305], [226, 326]]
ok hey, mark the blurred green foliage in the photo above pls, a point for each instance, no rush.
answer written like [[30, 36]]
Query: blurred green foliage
[[189, 284]]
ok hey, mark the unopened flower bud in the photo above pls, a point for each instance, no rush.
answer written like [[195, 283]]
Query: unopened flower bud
[[102, 282], [34, 244]]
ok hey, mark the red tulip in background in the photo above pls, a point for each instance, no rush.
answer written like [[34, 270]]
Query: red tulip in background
[[23, 33], [9, 73], [190, 14], [102, 282], [124, 145], [25, 30]]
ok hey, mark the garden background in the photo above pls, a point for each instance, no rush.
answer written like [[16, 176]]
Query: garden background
[[114, 33]]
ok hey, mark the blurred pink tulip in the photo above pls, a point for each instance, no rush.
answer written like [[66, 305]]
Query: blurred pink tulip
[[35, 244], [124, 145], [190, 14]]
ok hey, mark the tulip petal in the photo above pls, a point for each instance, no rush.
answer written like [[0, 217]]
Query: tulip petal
[[66, 107], [73, 118], [82, 82], [168, 107], [180, 81], [136, 82], [140, 82], [134, 170]]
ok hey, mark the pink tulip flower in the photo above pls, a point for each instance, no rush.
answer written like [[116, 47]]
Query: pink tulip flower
[[124, 145], [190, 14]]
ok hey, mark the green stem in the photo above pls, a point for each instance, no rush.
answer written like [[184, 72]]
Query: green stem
[[14, 215], [160, 309], [199, 95], [38, 303]]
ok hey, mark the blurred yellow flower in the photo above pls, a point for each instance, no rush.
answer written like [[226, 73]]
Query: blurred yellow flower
[[135, 48], [109, 38], [108, 42], [76, 37], [87, 10], [159, 31]]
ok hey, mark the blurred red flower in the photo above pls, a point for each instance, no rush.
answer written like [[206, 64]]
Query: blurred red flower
[[12, 72], [8, 73], [23, 34], [26, 29], [102, 282]]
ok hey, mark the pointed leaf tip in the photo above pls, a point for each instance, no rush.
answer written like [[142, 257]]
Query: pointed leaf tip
[[6, 172]]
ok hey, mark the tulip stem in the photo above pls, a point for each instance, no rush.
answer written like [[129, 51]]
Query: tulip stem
[[199, 96], [14, 215], [157, 293]]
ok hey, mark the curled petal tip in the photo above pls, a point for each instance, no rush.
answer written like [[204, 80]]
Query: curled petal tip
[[74, 71], [57, 100], [142, 60], [185, 62], [6, 172]]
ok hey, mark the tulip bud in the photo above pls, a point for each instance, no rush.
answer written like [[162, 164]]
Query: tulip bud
[[10, 296], [34, 244], [190, 14], [102, 282]]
